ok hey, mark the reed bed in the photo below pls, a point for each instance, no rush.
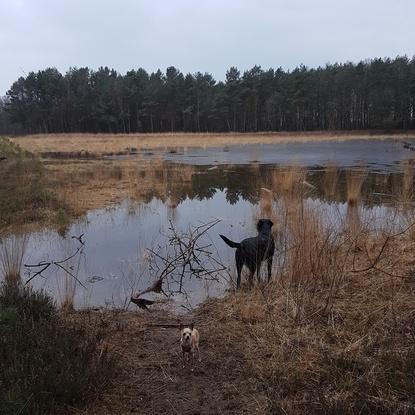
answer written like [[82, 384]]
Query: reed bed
[[333, 332]]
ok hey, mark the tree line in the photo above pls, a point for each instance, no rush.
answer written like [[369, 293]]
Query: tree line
[[372, 94]]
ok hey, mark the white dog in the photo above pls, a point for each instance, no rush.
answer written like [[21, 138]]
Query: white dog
[[189, 342]]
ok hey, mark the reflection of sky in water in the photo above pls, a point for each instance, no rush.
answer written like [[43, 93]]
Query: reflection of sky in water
[[116, 240], [376, 154]]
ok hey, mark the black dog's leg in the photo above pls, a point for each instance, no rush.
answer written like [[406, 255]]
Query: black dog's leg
[[252, 269], [239, 264], [269, 260], [258, 271]]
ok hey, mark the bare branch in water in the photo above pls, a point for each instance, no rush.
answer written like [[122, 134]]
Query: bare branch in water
[[44, 265], [187, 254]]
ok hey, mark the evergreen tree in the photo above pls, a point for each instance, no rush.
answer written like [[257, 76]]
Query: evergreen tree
[[376, 94]]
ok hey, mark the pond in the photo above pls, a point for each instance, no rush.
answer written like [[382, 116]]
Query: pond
[[235, 185]]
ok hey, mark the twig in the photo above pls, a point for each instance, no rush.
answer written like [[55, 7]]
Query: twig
[[45, 265]]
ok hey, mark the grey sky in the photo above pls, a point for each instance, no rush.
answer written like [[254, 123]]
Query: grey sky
[[198, 35]]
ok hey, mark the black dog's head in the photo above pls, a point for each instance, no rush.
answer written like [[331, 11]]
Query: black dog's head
[[264, 226]]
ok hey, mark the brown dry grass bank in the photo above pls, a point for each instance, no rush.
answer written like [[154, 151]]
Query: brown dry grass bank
[[27, 196], [112, 143]]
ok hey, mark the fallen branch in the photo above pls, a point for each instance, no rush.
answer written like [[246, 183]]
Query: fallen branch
[[186, 255]]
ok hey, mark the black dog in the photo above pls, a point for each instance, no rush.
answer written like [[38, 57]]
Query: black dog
[[252, 251]]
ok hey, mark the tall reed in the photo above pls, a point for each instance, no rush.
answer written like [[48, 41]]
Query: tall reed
[[12, 250], [330, 180], [355, 180]]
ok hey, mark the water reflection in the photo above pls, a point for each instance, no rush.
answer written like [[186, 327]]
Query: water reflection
[[115, 248], [329, 184]]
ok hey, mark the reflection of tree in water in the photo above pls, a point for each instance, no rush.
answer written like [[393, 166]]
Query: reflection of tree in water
[[239, 182], [232, 196], [236, 181]]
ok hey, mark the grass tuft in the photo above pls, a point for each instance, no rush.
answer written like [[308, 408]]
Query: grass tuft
[[12, 250]]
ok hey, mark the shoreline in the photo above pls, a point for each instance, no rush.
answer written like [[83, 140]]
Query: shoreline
[[102, 143]]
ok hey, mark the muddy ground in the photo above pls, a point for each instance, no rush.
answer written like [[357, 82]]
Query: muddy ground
[[151, 379]]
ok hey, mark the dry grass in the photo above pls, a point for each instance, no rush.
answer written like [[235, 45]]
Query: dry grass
[[68, 290], [357, 358], [26, 195], [330, 181], [355, 180], [407, 189], [288, 183], [110, 143], [266, 202], [333, 332], [404, 194], [12, 250]]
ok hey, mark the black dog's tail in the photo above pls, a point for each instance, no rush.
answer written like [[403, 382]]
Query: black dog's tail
[[232, 244]]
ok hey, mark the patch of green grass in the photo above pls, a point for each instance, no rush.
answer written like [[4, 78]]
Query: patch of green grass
[[8, 316], [47, 364], [10, 150], [63, 220]]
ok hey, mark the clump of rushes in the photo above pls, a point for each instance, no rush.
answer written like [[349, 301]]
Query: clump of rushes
[[12, 250]]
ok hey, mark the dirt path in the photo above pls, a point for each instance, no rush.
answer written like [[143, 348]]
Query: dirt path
[[151, 379]]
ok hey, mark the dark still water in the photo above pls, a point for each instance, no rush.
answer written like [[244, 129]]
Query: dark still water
[[236, 186]]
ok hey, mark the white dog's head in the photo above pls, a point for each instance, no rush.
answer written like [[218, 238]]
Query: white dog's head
[[186, 335]]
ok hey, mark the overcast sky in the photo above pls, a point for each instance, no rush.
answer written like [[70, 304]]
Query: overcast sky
[[198, 35]]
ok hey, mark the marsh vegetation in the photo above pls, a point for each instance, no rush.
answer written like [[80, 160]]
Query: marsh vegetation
[[26, 196]]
